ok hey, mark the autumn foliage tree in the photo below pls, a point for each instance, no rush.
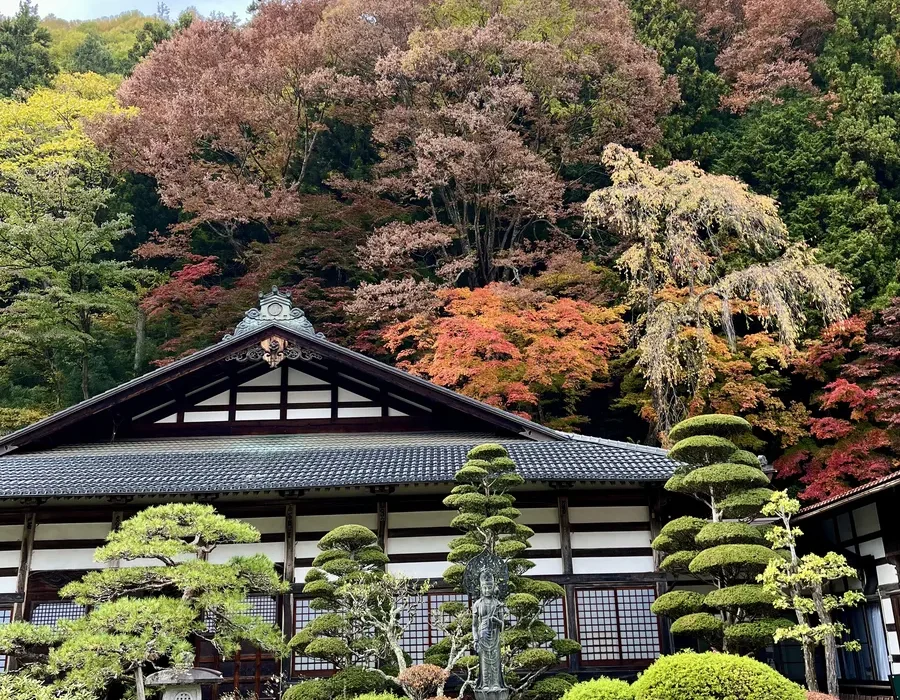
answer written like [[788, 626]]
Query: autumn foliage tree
[[854, 434], [514, 348], [701, 250]]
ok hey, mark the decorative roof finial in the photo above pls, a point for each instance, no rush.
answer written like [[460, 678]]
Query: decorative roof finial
[[276, 307]]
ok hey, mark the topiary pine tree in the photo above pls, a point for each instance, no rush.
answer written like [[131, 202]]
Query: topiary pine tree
[[726, 550], [488, 520], [365, 615], [145, 617]]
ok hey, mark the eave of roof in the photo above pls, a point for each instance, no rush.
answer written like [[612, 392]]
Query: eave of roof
[[224, 347], [164, 467], [883, 483]]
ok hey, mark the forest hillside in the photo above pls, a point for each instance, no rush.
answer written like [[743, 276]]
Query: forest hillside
[[601, 215]]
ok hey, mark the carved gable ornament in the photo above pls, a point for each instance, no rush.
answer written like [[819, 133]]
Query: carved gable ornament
[[273, 349]]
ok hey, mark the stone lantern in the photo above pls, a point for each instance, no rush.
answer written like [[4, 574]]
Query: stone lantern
[[183, 684]]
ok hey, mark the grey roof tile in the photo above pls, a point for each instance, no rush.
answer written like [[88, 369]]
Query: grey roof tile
[[267, 463]]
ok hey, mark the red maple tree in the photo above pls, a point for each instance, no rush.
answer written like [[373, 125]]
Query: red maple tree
[[855, 437]]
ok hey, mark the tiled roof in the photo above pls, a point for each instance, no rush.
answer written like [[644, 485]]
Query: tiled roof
[[284, 462], [879, 484]]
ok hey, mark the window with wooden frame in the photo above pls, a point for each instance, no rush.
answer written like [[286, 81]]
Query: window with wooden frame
[[616, 627], [422, 634], [5, 619], [49, 613], [251, 670]]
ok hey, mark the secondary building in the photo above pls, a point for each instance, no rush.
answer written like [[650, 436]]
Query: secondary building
[[278, 426]]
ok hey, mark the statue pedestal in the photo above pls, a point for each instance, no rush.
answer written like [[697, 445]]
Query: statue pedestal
[[495, 693]]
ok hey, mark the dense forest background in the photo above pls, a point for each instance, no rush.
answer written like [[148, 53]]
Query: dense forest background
[[600, 215]]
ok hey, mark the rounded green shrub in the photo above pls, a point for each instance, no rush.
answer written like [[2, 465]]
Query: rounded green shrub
[[725, 557], [520, 604], [723, 477], [678, 562], [754, 635], [748, 596], [719, 424], [498, 523], [487, 451], [745, 457], [327, 648], [470, 474], [531, 659], [564, 647], [313, 689], [353, 681], [701, 625], [714, 534], [712, 676], [552, 687], [745, 504], [675, 604], [467, 521], [702, 449], [348, 537], [600, 689], [683, 530], [372, 556], [376, 696]]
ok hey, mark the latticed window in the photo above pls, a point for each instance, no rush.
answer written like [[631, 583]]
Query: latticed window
[[5, 619], [422, 634], [303, 615], [616, 625], [50, 613]]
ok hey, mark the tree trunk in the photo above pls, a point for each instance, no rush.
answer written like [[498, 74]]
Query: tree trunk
[[139, 683], [830, 644], [85, 377], [140, 340], [809, 666]]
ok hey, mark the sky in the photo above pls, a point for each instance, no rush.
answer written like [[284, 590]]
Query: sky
[[92, 9]]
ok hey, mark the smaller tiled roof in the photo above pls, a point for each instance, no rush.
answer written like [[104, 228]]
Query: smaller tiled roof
[[289, 462], [885, 482]]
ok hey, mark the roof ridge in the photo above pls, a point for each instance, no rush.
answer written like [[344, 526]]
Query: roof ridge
[[647, 449]]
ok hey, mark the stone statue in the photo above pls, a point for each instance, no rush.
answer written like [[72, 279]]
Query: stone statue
[[487, 580]]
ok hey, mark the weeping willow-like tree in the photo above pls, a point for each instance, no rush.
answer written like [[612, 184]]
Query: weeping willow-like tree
[[702, 249]]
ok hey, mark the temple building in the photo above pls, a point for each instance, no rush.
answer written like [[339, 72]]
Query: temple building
[[294, 434]]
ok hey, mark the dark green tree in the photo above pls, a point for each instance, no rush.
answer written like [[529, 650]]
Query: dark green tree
[[487, 518], [726, 550], [24, 51], [150, 616], [92, 56]]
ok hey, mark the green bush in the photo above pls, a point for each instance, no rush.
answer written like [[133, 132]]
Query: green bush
[[722, 425], [348, 537], [683, 530], [722, 477], [745, 504], [487, 451], [677, 562], [600, 689], [316, 689], [551, 687], [725, 557], [702, 625], [713, 676], [376, 696], [755, 635], [353, 681], [702, 449], [676, 604], [714, 534], [748, 596], [745, 457]]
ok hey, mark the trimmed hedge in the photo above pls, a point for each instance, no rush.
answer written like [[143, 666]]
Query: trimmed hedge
[[719, 424], [678, 562], [724, 477], [701, 624], [712, 676], [745, 504], [600, 689], [702, 449], [676, 604], [746, 595], [683, 530], [714, 534], [749, 557]]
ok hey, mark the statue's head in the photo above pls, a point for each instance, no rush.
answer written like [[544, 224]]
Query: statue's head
[[486, 584]]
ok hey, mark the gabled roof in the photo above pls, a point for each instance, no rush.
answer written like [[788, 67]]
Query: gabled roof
[[888, 481], [291, 324], [301, 462]]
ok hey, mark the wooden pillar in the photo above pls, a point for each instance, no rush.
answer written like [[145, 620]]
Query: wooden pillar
[[290, 555], [25, 552], [565, 550], [382, 523], [115, 523]]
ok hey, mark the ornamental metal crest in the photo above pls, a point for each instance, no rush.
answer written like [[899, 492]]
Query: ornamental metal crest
[[273, 350], [274, 307]]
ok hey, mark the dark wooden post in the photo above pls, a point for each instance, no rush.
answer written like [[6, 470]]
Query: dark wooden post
[[382, 523], [568, 567], [290, 554], [27, 547]]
